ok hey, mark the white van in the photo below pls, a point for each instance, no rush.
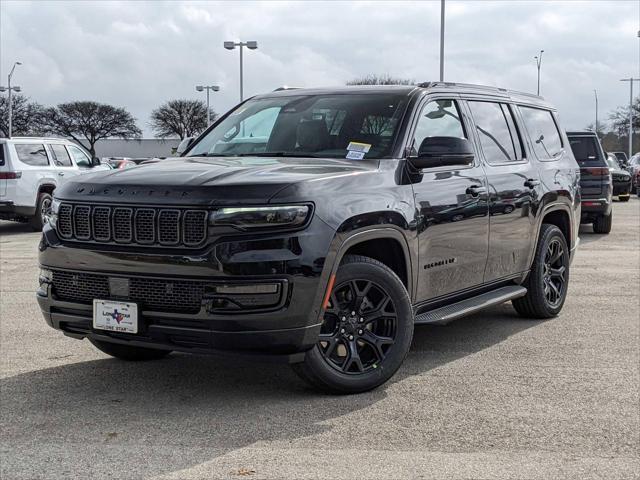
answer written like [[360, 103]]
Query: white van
[[30, 170]]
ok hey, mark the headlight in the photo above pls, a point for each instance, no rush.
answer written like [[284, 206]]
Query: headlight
[[245, 218], [51, 216]]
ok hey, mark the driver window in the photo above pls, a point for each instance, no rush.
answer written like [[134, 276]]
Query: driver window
[[440, 118]]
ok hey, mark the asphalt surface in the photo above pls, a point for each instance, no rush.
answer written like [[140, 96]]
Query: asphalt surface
[[489, 396]]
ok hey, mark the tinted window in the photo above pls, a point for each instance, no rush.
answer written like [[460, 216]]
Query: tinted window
[[543, 131], [587, 151], [32, 154], [496, 129], [60, 155], [309, 126], [440, 118], [81, 159], [2, 153]]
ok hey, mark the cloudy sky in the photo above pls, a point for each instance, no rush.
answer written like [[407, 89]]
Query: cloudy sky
[[139, 54]]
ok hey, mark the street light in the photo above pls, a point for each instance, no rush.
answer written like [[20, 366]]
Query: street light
[[630, 80], [10, 89], [251, 46], [442, 41], [208, 88], [538, 63], [595, 92]]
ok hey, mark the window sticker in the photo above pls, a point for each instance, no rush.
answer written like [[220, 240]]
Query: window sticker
[[357, 150]]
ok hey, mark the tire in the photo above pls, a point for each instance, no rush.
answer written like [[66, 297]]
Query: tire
[[380, 332], [129, 353], [541, 300], [44, 204], [624, 199], [603, 223]]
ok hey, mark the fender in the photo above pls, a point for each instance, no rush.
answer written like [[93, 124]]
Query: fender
[[340, 245], [548, 208]]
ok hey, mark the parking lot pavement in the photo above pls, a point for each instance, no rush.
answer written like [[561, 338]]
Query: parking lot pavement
[[489, 396]]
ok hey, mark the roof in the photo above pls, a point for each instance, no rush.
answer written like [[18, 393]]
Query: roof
[[40, 139], [453, 87], [583, 133]]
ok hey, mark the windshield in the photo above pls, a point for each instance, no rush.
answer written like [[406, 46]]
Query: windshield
[[352, 126], [613, 162]]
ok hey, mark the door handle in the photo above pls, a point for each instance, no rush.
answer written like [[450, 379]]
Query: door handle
[[61, 174], [531, 182], [475, 190]]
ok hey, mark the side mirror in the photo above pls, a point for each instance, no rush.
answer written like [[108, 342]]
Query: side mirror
[[443, 151], [95, 161], [184, 145]]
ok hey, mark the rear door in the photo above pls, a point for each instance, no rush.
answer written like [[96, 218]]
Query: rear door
[[595, 177], [514, 188], [36, 169]]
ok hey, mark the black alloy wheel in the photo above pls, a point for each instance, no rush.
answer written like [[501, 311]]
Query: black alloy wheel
[[366, 330], [548, 280], [359, 327], [555, 266]]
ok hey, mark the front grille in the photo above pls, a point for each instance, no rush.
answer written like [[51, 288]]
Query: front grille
[[167, 294], [167, 227]]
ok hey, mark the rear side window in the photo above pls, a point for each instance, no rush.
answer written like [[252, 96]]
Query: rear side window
[[2, 154], [498, 136], [32, 154], [542, 128], [587, 152], [60, 155]]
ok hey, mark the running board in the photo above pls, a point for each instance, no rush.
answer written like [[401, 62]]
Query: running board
[[446, 314]]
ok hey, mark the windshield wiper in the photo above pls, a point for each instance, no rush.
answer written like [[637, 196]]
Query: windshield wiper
[[278, 154], [212, 155]]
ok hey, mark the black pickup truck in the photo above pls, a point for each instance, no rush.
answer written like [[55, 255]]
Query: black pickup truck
[[319, 226]]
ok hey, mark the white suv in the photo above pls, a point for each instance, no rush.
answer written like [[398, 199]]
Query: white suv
[[30, 170]]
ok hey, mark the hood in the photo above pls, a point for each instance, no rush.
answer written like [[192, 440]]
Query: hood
[[205, 180]]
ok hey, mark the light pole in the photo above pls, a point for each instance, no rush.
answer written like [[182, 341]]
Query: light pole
[[595, 92], [442, 40], [208, 88], [538, 63], [630, 80], [251, 46], [10, 89]]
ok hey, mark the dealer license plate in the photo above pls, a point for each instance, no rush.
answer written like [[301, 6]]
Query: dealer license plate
[[115, 316]]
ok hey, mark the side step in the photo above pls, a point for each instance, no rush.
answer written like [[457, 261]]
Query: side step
[[446, 314]]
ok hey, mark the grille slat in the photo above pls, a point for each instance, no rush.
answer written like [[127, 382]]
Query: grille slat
[[102, 223], [81, 222], [167, 227]]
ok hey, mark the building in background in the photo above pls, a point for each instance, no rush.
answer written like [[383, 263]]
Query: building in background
[[145, 147]]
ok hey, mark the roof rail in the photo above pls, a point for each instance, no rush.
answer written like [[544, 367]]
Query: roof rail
[[284, 87], [472, 86]]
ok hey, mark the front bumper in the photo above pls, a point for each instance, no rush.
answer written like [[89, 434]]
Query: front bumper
[[285, 330], [621, 188]]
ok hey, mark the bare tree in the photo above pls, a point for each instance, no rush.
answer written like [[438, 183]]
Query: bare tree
[[90, 121], [180, 118], [620, 119], [383, 79], [27, 116]]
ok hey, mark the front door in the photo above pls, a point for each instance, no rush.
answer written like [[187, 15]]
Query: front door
[[514, 188], [453, 214]]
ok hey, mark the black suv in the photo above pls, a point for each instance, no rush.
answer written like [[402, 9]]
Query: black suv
[[596, 181], [320, 226]]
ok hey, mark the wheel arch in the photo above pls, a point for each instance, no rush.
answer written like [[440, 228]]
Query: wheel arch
[[368, 242], [560, 215]]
